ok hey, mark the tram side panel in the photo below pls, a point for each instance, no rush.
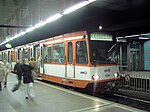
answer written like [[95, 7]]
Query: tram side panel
[[82, 70], [53, 72]]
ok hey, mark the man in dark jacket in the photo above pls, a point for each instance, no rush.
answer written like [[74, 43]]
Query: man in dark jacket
[[27, 78]]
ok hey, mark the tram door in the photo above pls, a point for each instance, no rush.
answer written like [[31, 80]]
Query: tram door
[[20, 54], [31, 52], [70, 63], [39, 58]]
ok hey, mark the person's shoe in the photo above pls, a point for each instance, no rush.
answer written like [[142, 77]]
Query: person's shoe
[[5, 86], [26, 97]]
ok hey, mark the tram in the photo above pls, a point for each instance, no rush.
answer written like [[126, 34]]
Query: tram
[[77, 59]]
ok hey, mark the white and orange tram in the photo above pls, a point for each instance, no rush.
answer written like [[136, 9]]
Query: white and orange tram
[[78, 59]]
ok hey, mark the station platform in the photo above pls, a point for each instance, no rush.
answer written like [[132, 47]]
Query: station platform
[[51, 98]]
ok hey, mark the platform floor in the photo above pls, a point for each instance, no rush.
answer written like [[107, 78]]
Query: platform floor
[[50, 98]]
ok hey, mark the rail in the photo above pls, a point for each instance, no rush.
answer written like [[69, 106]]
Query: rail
[[135, 81]]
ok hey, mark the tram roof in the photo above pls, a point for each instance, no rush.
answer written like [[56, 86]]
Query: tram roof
[[119, 17]]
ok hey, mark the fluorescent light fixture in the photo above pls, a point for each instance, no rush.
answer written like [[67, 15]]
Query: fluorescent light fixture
[[50, 19], [121, 40], [36, 26], [146, 34], [3, 43], [39, 25], [11, 38], [143, 38], [20, 34], [16, 36], [118, 37], [91, 1], [30, 29], [75, 7], [132, 36], [53, 18]]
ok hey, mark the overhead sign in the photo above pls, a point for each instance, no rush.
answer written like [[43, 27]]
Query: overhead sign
[[102, 37]]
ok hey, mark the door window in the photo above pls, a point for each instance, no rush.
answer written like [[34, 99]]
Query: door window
[[58, 52], [81, 52], [47, 53], [69, 52]]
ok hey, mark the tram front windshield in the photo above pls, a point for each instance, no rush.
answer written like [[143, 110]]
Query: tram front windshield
[[99, 51]]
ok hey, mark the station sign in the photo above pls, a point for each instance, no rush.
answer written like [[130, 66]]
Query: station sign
[[101, 37]]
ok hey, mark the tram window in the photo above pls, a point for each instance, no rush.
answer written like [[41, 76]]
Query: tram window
[[58, 52], [1, 57], [12, 56], [17, 55], [9, 56], [69, 52], [41, 48], [31, 55], [20, 55], [81, 52], [47, 54], [5, 55], [26, 54]]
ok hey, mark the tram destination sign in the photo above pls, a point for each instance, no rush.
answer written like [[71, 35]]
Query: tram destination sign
[[102, 37]]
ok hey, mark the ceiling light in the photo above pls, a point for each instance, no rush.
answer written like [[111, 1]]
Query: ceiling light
[[100, 27], [143, 38], [75, 7], [54, 17]]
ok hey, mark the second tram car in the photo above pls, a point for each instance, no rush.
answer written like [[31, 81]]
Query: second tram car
[[78, 59]]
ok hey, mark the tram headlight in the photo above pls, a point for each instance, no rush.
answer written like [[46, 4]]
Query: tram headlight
[[116, 74], [95, 77]]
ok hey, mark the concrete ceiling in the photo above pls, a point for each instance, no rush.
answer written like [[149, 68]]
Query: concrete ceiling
[[7, 9], [120, 17], [132, 11]]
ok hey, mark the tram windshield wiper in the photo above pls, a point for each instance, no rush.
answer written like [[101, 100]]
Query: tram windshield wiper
[[112, 47]]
